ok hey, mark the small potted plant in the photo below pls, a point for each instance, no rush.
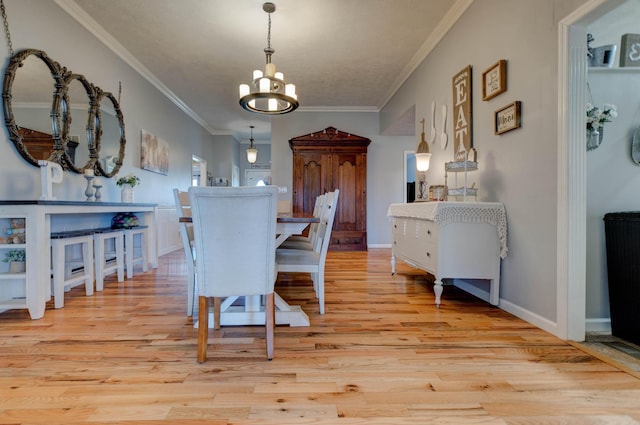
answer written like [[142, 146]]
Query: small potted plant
[[16, 260], [127, 183]]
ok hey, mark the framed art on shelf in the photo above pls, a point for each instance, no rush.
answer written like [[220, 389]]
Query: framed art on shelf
[[494, 80], [508, 117], [630, 50]]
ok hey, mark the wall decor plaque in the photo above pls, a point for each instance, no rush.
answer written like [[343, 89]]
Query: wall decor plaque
[[508, 117], [462, 114], [630, 50], [494, 80]]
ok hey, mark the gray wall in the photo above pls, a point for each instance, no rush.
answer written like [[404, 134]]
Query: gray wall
[[43, 25], [517, 168]]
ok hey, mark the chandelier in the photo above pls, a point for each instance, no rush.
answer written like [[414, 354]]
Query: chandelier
[[252, 152], [268, 93]]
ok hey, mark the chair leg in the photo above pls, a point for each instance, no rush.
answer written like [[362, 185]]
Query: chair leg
[[320, 291], [190, 291], [270, 320], [203, 328], [216, 312]]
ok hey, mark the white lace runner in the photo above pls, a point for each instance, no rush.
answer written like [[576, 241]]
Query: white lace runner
[[458, 212]]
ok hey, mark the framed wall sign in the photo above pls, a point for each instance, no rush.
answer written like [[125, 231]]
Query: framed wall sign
[[494, 80], [508, 118], [630, 50], [462, 114]]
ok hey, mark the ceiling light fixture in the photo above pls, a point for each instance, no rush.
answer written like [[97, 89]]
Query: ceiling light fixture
[[268, 93], [252, 152]]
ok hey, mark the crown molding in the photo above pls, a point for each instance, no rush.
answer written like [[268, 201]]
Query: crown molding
[[77, 13], [449, 20], [338, 109]]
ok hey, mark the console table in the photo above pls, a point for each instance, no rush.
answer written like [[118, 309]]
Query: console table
[[41, 217], [455, 240]]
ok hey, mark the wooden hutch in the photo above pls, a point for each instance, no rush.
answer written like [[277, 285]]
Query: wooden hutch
[[327, 160]]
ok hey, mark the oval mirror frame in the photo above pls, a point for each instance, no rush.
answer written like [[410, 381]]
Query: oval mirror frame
[[66, 158], [100, 168], [15, 63]]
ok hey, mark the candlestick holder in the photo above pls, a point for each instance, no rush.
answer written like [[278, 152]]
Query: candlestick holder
[[89, 191], [98, 195]]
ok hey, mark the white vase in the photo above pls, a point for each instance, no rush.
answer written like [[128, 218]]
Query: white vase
[[126, 195], [17, 267], [594, 138]]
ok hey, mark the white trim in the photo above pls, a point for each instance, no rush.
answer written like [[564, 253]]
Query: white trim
[[379, 245], [528, 316], [599, 325], [337, 109], [77, 13]]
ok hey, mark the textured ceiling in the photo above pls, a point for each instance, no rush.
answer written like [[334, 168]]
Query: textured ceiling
[[341, 54]]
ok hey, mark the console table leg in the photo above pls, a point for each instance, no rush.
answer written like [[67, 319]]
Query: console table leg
[[437, 290], [393, 264]]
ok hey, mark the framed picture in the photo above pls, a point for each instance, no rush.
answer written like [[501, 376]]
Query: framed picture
[[154, 153], [508, 118], [494, 80], [630, 50]]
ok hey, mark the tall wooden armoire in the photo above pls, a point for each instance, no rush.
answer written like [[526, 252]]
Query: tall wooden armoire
[[327, 160]]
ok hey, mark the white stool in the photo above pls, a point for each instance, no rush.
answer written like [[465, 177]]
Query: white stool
[[106, 262], [64, 276], [129, 245]]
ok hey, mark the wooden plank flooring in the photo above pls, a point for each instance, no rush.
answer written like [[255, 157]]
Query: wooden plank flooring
[[383, 354]]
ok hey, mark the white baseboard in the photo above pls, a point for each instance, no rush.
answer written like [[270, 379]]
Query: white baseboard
[[528, 316], [598, 325], [169, 249]]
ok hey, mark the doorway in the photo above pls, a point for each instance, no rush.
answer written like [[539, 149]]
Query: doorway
[[409, 176], [257, 177], [572, 177], [198, 171]]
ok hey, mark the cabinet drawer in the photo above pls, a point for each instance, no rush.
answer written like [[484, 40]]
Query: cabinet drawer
[[416, 240]]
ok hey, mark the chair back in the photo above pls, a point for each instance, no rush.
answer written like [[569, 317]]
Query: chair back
[[234, 235], [318, 207], [183, 208], [325, 226]]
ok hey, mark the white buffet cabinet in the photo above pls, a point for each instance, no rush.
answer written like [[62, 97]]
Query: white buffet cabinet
[[31, 289], [452, 240]]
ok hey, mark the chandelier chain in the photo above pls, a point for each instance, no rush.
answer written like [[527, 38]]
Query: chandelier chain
[[268, 33], [6, 26]]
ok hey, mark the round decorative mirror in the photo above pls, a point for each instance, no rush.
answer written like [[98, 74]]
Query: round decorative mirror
[[30, 107], [78, 113], [110, 136]]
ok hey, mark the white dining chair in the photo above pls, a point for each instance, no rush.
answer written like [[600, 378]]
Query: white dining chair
[[183, 209], [312, 261], [234, 232], [309, 241]]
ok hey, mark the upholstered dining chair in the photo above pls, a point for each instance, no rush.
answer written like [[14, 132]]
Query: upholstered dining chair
[[312, 261], [234, 232]]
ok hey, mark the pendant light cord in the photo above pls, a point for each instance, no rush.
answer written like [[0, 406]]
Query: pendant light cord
[[6, 26]]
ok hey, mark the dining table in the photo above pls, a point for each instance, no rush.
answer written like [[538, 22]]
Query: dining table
[[249, 310]]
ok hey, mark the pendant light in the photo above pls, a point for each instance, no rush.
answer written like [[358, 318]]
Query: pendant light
[[423, 156], [252, 152]]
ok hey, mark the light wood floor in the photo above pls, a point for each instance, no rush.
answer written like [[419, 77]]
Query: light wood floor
[[383, 354]]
